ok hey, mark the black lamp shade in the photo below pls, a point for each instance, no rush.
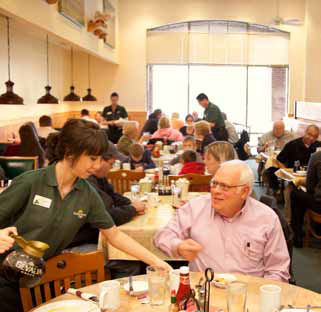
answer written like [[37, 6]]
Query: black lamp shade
[[72, 97], [10, 97], [89, 96], [48, 98]]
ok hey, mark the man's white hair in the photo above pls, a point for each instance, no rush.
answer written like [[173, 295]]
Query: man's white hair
[[246, 174]]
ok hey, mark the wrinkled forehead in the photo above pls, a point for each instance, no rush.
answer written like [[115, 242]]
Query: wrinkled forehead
[[228, 174]]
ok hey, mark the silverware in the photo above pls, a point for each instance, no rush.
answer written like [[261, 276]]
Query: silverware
[[131, 289]]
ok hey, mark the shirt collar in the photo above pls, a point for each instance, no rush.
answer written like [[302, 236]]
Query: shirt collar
[[238, 214], [51, 178]]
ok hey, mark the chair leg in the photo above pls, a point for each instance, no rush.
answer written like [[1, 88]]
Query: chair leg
[[307, 229]]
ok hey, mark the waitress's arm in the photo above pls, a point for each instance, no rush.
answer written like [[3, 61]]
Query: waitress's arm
[[123, 242]]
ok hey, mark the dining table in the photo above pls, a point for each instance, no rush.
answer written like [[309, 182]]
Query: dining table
[[291, 295], [142, 228]]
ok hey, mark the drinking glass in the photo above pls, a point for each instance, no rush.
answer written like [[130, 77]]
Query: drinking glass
[[157, 278], [176, 195], [236, 296], [134, 191], [270, 296]]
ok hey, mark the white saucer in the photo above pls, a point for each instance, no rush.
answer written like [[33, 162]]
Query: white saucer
[[139, 287], [227, 279]]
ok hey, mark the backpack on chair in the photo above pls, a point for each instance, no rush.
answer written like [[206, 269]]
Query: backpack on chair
[[241, 146]]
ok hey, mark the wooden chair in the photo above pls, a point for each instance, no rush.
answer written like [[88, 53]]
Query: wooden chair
[[62, 271], [121, 179], [14, 165], [198, 182], [315, 217]]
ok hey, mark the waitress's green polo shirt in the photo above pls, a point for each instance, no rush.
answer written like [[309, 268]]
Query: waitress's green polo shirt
[[33, 204]]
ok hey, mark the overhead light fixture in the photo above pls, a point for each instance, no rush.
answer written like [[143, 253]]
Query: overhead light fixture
[[89, 96], [10, 97], [48, 98], [72, 96]]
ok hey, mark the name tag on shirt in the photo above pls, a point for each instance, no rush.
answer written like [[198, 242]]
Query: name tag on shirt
[[109, 113], [42, 201]]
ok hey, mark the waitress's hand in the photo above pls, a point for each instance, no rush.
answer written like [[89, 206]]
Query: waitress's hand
[[6, 242], [162, 264]]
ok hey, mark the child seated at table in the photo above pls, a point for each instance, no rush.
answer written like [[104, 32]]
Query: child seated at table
[[190, 163], [189, 143], [139, 158]]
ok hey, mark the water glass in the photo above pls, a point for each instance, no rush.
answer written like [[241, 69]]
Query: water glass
[[270, 297], [176, 195], [109, 296], [157, 278], [236, 296], [134, 191]]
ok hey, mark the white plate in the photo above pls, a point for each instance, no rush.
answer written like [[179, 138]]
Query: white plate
[[300, 173], [69, 306], [139, 287], [227, 279]]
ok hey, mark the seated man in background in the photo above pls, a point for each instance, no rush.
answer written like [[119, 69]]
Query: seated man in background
[[231, 131], [190, 163], [45, 127], [84, 114], [189, 144], [301, 201], [120, 208], [139, 158], [228, 230], [277, 138]]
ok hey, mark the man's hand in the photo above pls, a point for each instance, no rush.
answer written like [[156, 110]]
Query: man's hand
[[189, 249], [6, 242], [139, 206]]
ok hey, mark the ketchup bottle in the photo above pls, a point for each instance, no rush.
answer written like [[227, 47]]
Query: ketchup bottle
[[184, 288]]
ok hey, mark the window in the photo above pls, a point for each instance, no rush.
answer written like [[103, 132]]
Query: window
[[253, 96]]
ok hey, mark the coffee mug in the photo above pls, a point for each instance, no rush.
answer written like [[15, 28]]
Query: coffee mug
[[270, 297], [109, 295]]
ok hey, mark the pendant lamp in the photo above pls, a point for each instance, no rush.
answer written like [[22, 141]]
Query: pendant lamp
[[72, 97], [10, 97], [89, 96], [48, 98]]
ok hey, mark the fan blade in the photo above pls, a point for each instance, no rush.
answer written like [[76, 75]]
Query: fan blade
[[292, 21]]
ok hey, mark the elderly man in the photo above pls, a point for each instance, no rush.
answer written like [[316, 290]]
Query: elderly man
[[228, 230], [277, 137]]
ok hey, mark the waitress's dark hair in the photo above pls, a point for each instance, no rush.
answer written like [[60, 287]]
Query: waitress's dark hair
[[77, 137]]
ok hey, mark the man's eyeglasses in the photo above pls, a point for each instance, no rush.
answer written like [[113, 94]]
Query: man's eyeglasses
[[224, 187]]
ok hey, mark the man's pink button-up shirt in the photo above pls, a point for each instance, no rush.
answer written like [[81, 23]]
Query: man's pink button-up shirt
[[252, 242]]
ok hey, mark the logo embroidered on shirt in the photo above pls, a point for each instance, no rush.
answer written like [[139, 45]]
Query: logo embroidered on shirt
[[80, 214]]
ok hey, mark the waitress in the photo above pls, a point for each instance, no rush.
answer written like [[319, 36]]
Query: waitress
[[52, 204]]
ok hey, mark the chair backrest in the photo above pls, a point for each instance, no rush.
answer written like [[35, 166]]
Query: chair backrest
[[62, 272], [198, 182], [121, 179], [14, 165]]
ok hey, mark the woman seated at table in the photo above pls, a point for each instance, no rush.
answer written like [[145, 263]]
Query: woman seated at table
[[203, 135], [166, 132], [29, 145], [188, 129], [217, 153], [130, 132], [190, 164], [140, 159], [51, 204]]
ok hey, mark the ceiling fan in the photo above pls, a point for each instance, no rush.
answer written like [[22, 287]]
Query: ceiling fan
[[278, 20]]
